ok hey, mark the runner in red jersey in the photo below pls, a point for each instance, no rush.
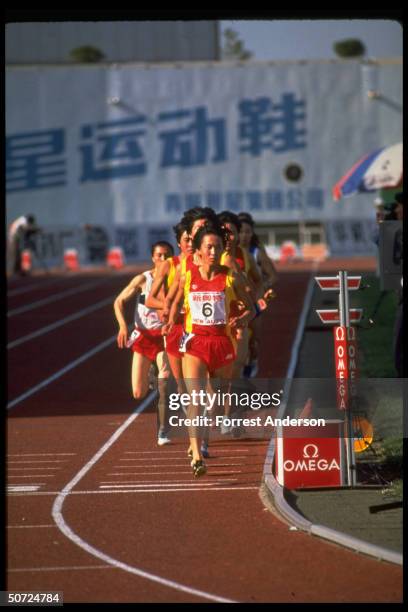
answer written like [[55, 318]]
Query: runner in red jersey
[[240, 259], [206, 291], [192, 220], [249, 240], [146, 340], [165, 277]]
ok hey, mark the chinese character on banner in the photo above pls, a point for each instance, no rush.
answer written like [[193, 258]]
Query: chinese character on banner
[[340, 231], [294, 199], [254, 199], [274, 199], [314, 198], [190, 145], [265, 125], [34, 160], [173, 202], [233, 201], [112, 150], [214, 200], [357, 231], [192, 200]]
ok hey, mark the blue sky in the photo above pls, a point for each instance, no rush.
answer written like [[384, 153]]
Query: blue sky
[[313, 39]]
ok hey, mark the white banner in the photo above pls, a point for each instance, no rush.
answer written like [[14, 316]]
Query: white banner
[[125, 145]]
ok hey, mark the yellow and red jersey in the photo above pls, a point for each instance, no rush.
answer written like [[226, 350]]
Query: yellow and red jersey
[[207, 302], [241, 257], [174, 262]]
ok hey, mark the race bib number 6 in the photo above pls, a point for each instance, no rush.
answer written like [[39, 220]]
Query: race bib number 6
[[207, 308]]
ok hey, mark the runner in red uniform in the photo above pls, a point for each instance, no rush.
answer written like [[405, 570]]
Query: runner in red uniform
[[249, 240], [165, 277], [206, 291], [146, 340]]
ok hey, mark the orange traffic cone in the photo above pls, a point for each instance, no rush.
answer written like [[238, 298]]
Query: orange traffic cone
[[71, 259], [115, 258], [26, 260]]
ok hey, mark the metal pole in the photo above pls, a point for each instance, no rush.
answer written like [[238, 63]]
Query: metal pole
[[345, 320]]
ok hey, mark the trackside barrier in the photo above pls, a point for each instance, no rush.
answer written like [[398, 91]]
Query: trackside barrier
[[71, 259], [288, 251], [308, 457], [115, 258], [26, 260], [314, 252]]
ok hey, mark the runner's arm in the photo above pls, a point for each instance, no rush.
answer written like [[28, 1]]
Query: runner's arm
[[232, 264], [171, 294], [268, 267], [177, 302], [153, 300], [249, 309], [124, 296], [254, 275]]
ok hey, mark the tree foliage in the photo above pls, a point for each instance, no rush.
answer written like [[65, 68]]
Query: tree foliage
[[233, 47], [86, 55], [350, 47]]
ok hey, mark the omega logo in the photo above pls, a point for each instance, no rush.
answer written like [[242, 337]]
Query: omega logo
[[314, 454]]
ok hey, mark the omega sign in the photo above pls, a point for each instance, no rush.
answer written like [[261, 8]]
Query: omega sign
[[308, 457], [310, 461], [346, 367]]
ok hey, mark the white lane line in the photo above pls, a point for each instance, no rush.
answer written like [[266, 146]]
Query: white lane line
[[70, 366], [166, 463], [161, 453], [93, 492], [59, 323], [161, 473], [60, 569], [33, 286], [18, 484], [67, 531], [159, 483], [150, 485], [29, 526], [21, 469], [21, 488], [41, 454], [54, 298], [32, 461], [33, 476]]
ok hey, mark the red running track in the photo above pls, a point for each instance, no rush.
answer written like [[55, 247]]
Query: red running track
[[104, 515]]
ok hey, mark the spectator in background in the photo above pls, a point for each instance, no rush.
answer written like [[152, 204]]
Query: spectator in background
[[380, 213], [398, 327], [20, 235]]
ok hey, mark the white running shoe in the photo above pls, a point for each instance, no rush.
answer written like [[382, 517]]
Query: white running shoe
[[162, 440]]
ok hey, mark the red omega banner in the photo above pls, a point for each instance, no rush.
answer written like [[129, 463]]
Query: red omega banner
[[341, 365], [313, 460], [352, 359]]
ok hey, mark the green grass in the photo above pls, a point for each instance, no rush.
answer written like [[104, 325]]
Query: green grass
[[375, 343], [375, 362]]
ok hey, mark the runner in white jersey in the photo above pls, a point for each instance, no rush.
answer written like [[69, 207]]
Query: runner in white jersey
[[146, 340]]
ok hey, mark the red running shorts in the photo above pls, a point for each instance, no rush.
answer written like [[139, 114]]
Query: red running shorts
[[215, 351], [173, 341], [149, 342]]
